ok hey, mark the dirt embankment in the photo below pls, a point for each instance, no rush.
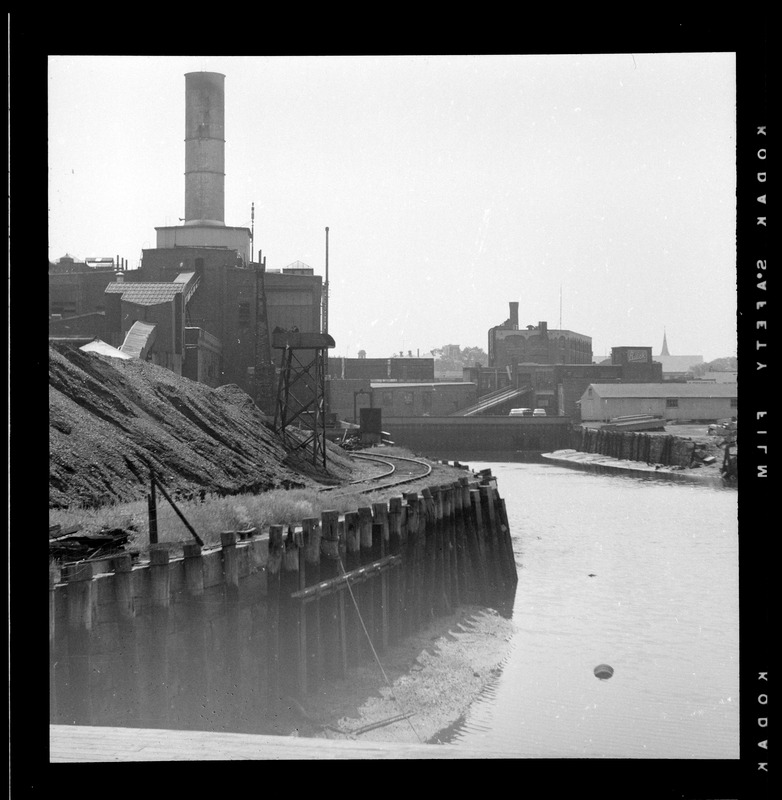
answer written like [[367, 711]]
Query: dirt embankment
[[109, 418]]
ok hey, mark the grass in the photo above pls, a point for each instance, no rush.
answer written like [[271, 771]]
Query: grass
[[212, 515]]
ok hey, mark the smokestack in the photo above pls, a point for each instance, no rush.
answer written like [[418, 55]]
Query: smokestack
[[514, 316], [204, 148]]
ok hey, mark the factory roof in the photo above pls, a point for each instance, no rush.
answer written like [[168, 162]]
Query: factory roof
[[146, 294]]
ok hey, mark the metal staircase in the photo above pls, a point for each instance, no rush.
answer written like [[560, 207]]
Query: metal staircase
[[492, 400]]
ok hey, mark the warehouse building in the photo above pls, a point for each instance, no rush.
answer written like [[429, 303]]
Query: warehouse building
[[691, 402]]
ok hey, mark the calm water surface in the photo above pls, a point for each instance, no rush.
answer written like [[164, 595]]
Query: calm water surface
[[640, 574]]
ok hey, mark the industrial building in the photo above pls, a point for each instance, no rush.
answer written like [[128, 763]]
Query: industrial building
[[399, 398], [549, 369], [199, 304], [535, 344], [692, 402]]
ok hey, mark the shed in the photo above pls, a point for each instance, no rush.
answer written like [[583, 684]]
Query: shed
[[672, 401]]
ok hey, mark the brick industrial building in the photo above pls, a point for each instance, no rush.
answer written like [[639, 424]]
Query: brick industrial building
[[201, 305]]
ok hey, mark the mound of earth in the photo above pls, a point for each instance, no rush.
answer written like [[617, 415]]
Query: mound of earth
[[111, 420]]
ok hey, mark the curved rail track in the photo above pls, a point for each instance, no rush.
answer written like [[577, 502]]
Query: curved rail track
[[423, 469]]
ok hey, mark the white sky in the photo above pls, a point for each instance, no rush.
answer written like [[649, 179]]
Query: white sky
[[450, 186]]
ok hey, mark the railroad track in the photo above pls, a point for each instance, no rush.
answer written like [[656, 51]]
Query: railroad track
[[406, 470]]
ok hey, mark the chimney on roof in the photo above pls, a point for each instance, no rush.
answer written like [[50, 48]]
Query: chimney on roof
[[119, 277], [543, 328], [204, 148], [514, 316]]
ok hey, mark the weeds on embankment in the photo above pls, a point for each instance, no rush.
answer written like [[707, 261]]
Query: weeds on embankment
[[210, 516]]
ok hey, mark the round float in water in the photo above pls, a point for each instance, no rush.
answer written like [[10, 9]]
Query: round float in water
[[604, 671]]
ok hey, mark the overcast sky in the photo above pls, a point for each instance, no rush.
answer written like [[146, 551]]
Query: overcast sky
[[450, 186]]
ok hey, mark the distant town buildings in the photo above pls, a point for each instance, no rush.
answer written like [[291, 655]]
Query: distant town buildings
[[676, 367]]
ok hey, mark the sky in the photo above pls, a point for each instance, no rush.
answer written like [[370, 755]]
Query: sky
[[597, 191]]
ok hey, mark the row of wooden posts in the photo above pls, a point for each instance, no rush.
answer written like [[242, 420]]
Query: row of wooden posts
[[636, 446], [341, 590]]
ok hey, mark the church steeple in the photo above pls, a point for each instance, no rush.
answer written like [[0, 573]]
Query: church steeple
[[664, 351]]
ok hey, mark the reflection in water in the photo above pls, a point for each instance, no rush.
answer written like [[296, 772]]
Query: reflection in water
[[639, 575]]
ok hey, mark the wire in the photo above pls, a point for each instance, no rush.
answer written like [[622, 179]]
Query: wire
[[374, 652]]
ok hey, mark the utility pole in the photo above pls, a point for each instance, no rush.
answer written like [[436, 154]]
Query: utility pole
[[252, 230], [326, 289]]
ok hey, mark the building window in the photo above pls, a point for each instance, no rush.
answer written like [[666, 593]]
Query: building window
[[244, 313], [734, 402], [388, 398], [672, 402], [408, 398]]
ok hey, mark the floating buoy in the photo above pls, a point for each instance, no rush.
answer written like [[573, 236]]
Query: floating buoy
[[604, 671]]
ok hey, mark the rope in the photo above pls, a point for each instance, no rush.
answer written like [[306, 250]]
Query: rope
[[374, 653]]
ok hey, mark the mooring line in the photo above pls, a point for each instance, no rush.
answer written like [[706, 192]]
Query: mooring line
[[404, 715]]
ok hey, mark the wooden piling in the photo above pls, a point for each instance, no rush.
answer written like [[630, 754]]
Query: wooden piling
[[332, 614], [396, 547], [478, 546], [159, 575], [452, 582], [194, 569], [355, 634], [412, 563], [493, 555], [441, 602], [460, 544], [381, 595], [52, 605], [160, 595], [430, 586], [381, 532], [311, 574], [511, 574], [273, 566], [123, 586], [197, 650], [230, 565], [370, 551], [293, 677], [152, 510]]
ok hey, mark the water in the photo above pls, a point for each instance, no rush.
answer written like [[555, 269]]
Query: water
[[640, 574]]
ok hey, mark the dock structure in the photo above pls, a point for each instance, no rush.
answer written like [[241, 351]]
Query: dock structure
[[79, 743], [231, 632]]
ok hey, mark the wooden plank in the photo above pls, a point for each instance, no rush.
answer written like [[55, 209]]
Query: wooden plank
[[75, 743]]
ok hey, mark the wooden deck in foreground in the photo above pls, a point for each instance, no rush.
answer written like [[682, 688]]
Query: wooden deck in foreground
[[79, 743]]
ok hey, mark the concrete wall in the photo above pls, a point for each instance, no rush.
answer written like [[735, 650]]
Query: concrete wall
[[474, 434]]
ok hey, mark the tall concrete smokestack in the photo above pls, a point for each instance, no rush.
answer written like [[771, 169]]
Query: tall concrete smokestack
[[204, 148], [514, 315]]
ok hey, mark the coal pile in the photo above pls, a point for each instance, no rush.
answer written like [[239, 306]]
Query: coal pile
[[111, 420]]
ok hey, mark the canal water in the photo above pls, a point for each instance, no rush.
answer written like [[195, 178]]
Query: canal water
[[640, 574]]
